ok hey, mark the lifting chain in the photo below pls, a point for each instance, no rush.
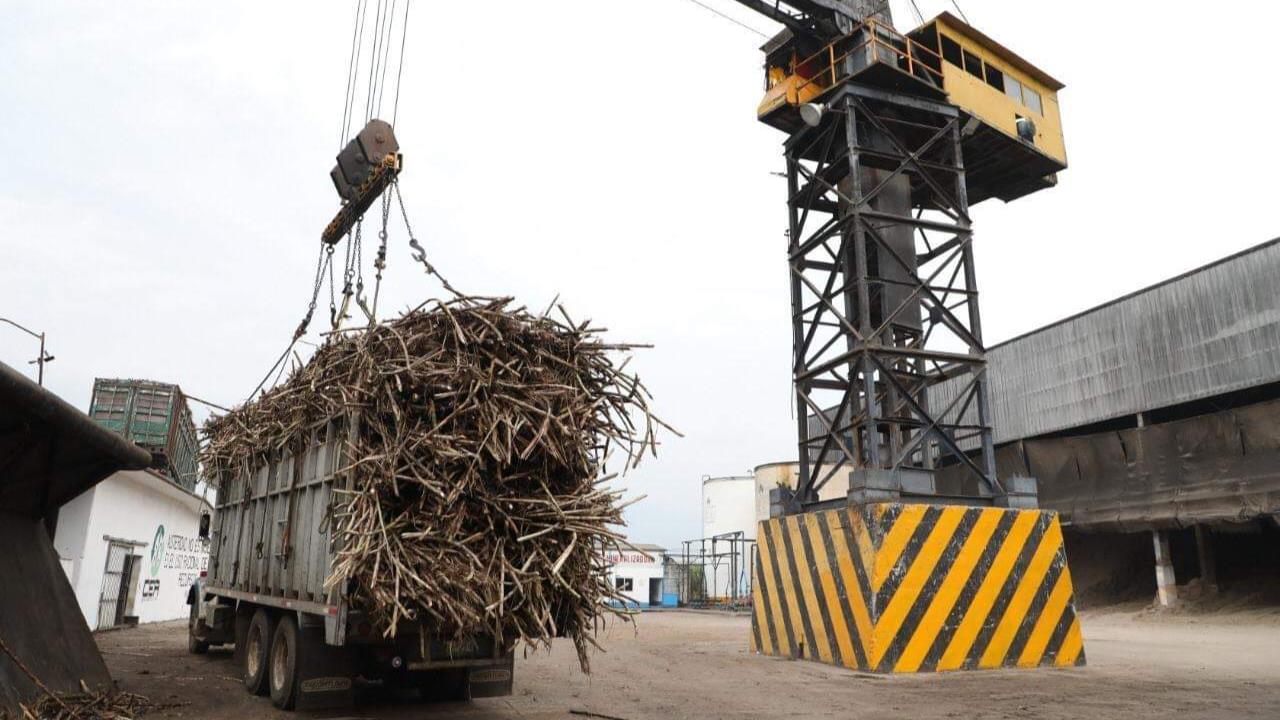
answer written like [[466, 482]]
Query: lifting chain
[[379, 262], [418, 253], [351, 263]]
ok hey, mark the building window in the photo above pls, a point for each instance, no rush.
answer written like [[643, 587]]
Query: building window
[[624, 584], [973, 64], [951, 51]]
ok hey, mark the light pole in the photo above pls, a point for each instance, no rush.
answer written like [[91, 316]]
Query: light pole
[[40, 361]]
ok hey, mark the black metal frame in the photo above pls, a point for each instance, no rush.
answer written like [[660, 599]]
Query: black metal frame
[[884, 296], [738, 559]]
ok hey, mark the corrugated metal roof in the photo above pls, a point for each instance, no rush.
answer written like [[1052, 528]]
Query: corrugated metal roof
[[1210, 331]]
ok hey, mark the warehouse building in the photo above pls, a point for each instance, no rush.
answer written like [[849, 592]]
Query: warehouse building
[[1152, 423]]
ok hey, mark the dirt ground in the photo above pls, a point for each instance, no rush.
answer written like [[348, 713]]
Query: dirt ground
[[695, 665]]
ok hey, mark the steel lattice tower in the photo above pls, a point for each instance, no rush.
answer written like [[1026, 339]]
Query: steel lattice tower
[[884, 301]]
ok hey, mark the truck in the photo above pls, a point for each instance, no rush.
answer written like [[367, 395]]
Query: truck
[[154, 415], [296, 637]]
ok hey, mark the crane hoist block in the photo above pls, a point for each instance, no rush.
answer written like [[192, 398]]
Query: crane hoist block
[[366, 166], [911, 587]]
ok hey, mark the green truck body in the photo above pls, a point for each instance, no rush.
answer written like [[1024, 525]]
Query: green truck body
[[153, 415]]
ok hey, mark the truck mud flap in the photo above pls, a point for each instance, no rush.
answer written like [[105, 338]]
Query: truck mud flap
[[325, 673], [494, 680]]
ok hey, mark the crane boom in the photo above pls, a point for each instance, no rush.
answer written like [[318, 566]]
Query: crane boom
[[824, 17]]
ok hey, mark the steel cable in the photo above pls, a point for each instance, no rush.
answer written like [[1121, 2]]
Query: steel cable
[[395, 110], [386, 53], [346, 94]]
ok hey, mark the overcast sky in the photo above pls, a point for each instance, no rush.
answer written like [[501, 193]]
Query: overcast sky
[[165, 180]]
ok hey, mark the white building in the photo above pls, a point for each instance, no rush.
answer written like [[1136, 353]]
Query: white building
[[131, 547], [638, 575]]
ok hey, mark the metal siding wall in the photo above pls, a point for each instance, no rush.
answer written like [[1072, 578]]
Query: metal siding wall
[[1217, 467], [1208, 333]]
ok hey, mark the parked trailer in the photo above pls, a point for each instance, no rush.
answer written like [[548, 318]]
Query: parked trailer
[[304, 645]]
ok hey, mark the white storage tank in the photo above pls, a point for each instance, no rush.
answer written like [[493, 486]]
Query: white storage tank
[[771, 475], [787, 474], [728, 506]]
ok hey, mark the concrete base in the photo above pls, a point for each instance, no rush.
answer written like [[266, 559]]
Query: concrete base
[[1019, 492], [895, 587], [868, 485]]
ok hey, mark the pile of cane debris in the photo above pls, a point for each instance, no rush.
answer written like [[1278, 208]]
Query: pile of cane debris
[[87, 705], [478, 435]]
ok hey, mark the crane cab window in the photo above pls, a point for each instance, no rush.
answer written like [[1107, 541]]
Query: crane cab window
[[1023, 95], [1013, 89], [951, 51], [972, 64], [1031, 99], [995, 78]]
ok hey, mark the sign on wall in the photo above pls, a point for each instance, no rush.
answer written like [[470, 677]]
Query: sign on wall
[[178, 558], [633, 558]]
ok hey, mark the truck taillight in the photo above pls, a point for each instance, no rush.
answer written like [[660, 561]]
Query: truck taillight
[[204, 574]]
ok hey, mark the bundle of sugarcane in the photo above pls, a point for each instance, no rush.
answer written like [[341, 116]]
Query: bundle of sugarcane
[[480, 503]]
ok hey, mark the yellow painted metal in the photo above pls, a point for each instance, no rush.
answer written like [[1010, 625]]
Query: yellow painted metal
[[994, 106], [806, 80], [789, 90]]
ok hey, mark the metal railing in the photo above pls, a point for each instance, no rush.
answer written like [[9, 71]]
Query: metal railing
[[880, 43]]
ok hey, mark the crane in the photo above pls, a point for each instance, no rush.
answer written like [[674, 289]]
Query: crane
[[890, 138], [901, 548]]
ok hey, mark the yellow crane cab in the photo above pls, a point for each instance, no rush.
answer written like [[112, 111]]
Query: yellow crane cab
[[1012, 140]]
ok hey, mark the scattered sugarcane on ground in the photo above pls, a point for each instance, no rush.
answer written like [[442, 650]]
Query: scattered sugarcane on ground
[[88, 706], [480, 499]]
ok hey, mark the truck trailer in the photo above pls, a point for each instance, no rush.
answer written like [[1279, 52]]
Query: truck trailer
[[296, 637]]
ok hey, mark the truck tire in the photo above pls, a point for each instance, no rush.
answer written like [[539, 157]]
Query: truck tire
[[195, 645], [257, 652], [284, 664]]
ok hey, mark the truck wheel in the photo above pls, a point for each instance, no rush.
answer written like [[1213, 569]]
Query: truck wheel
[[445, 686], [195, 645], [284, 664], [257, 650]]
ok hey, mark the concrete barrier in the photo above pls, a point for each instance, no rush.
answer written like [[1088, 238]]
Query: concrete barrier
[[916, 588]]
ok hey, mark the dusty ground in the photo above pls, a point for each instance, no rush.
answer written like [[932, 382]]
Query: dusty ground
[[695, 665]]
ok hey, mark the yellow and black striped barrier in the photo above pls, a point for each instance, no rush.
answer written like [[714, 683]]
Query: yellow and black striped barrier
[[915, 588]]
